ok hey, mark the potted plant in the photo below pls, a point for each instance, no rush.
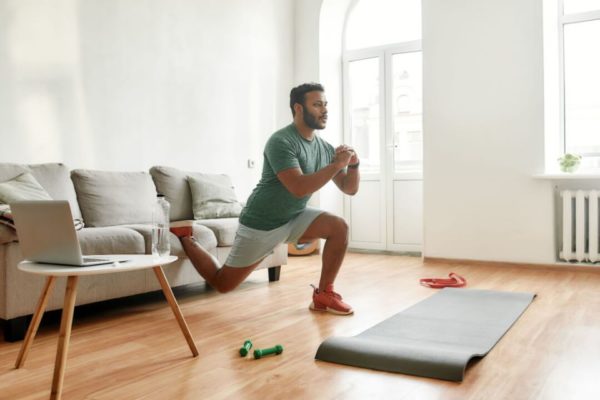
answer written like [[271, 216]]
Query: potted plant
[[569, 162]]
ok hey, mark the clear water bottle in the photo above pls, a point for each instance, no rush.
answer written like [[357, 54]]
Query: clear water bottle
[[161, 246]]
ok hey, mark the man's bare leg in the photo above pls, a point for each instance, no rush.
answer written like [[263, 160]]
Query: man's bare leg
[[335, 232], [223, 279]]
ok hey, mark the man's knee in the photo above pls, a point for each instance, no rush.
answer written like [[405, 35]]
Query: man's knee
[[228, 278], [225, 288], [340, 227], [326, 226]]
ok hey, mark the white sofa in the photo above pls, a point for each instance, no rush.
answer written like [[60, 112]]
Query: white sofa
[[116, 210]]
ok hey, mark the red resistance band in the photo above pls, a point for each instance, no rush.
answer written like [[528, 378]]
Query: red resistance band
[[454, 280]]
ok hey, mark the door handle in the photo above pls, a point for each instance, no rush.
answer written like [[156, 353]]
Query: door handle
[[396, 139]]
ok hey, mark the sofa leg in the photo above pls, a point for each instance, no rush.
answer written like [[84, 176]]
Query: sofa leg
[[274, 273], [15, 329]]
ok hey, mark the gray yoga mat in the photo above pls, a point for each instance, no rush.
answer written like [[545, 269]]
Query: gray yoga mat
[[435, 338]]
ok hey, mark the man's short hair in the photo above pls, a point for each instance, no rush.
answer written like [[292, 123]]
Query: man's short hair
[[297, 95]]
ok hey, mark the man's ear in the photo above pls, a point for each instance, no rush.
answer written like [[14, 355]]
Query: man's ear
[[298, 108]]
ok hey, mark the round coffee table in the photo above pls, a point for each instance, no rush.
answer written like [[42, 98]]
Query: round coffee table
[[52, 271]]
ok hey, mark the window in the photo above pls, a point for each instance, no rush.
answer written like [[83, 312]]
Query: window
[[579, 78]]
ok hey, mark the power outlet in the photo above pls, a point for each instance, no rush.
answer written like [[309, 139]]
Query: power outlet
[[251, 163]]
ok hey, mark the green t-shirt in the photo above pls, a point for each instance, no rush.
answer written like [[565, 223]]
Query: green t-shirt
[[271, 205]]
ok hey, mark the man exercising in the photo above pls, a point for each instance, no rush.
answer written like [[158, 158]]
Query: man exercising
[[297, 163]]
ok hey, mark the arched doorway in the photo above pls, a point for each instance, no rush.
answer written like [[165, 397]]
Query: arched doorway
[[378, 64]]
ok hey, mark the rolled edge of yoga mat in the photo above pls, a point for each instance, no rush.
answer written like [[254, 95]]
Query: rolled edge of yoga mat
[[411, 359]]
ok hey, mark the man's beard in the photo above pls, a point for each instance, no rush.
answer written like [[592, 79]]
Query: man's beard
[[311, 121]]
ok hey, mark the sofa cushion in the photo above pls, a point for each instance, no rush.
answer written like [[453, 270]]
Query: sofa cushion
[[172, 182], [111, 240], [213, 197], [205, 237], [22, 187], [223, 228], [110, 198], [53, 177], [202, 234], [10, 170], [56, 179]]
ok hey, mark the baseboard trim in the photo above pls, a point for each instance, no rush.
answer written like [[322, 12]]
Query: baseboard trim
[[385, 252], [555, 267]]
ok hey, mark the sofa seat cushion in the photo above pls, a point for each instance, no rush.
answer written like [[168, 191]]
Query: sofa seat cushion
[[111, 240], [109, 198], [202, 234], [55, 178], [205, 237], [223, 228]]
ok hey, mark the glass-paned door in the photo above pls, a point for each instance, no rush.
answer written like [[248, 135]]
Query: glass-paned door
[[407, 111], [404, 185], [364, 113], [364, 107], [383, 109]]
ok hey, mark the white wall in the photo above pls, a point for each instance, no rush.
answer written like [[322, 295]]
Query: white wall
[[318, 52], [127, 84], [484, 133], [306, 43]]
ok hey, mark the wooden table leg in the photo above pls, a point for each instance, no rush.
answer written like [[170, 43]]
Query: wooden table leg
[[64, 335], [35, 321], [162, 279]]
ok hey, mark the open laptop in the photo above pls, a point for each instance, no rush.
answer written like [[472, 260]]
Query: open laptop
[[47, 234]]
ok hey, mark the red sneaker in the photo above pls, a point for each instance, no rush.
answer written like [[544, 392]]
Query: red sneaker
[[181, 230], [329, 301]]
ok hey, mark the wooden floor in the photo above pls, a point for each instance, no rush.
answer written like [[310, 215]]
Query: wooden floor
[[138, 352]]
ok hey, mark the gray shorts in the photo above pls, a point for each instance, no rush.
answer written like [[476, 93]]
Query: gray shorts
[[252, 245]]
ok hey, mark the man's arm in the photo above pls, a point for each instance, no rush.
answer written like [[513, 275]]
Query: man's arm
[[348, 181], [301, 185]]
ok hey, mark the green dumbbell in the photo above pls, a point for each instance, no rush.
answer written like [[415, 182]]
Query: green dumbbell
[[277, 349], [245, 348]]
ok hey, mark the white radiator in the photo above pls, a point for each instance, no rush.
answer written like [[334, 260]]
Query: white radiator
[[580, 225]]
